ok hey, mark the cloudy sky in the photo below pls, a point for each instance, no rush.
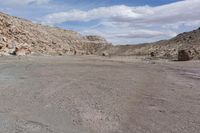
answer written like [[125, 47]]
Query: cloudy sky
[[119, 21]]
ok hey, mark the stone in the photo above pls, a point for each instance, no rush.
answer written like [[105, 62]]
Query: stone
[[152, 54], [11, 45], [105, 54], [183, 55], [12, 51], [1, 46], [4, 39], [21, 52]]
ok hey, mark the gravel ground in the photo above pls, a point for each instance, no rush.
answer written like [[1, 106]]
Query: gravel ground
[[98, 95]]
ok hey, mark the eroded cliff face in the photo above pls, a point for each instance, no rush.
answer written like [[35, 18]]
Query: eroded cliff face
[[22, 37]]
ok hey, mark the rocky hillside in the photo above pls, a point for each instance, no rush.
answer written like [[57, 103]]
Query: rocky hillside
[[22, 37], [188, 42]]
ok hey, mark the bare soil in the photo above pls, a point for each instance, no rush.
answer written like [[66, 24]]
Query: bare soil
[[88, 94]]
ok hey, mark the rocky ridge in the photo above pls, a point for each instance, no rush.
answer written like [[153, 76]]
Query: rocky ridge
[[189, 42], [22, 37]]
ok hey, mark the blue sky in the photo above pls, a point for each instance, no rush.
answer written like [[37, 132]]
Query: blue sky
[[119, 21]]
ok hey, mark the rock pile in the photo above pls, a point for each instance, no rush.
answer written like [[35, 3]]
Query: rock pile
[[22, 37]]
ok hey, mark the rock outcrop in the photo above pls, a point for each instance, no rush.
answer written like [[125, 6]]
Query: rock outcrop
[[22, 37]]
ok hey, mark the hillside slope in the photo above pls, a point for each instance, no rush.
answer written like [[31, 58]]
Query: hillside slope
[[189, 41], [22, 37]]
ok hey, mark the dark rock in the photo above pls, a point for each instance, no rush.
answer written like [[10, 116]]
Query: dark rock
[[183, 55], [152, 54], [13, 51], [105, 54]]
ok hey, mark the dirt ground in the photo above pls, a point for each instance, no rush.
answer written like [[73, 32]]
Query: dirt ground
[[98, 95]]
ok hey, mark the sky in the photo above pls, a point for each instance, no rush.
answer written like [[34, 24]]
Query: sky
[[119, 21]]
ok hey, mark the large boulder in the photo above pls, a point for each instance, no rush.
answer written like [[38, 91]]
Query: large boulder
[[22, 52], [106, 54], [183, 55]]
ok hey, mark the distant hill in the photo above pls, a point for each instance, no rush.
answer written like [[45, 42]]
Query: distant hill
[[22, 37], [188, 41]]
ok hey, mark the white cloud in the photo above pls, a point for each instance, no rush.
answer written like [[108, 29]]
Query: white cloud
[[23, 2], [135, 22], [112, 12], [187, 10]]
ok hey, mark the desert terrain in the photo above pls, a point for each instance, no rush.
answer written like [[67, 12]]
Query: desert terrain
[[55, 80], [90, 94]]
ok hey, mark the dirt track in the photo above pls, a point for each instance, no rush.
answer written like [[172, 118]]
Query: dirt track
[[93, 95]]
